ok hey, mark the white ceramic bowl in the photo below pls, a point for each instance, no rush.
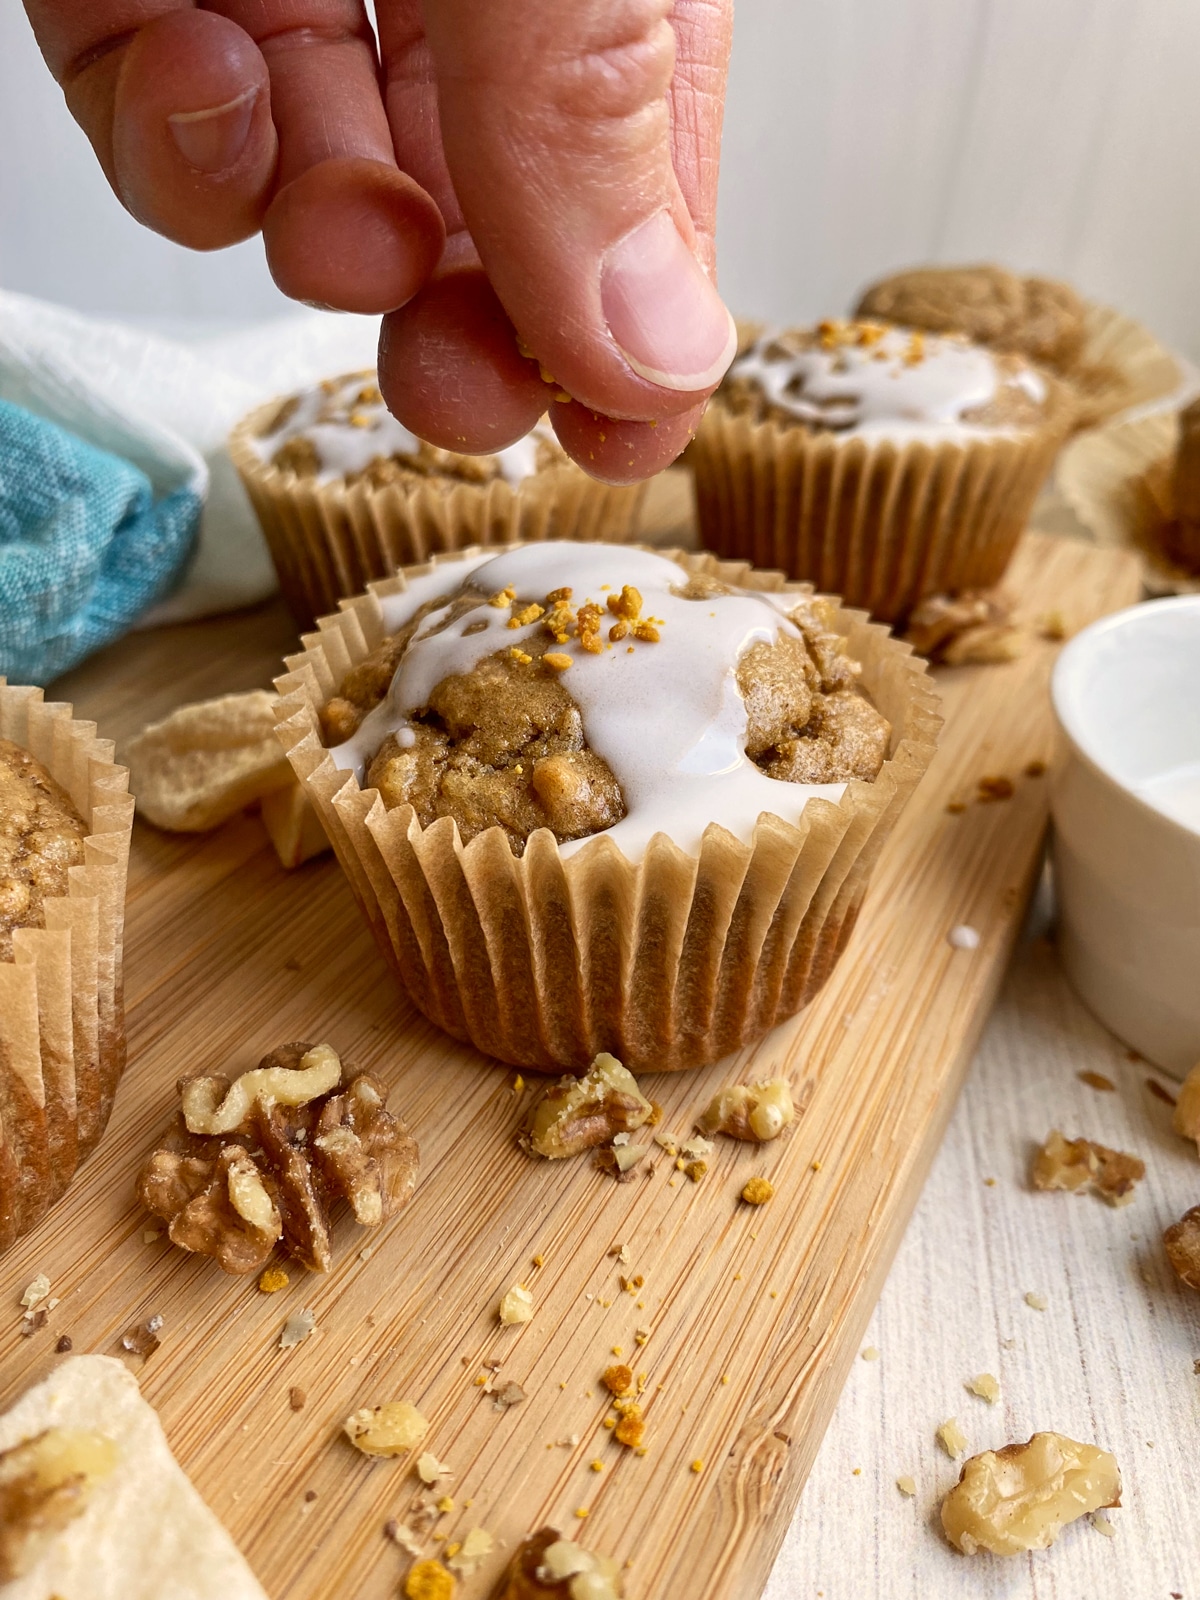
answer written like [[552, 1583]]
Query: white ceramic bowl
[[1125, 798]]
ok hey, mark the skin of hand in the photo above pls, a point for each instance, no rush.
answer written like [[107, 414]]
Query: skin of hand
[[524, 189]]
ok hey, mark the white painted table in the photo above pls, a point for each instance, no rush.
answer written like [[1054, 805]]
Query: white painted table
[[1110, 1360]]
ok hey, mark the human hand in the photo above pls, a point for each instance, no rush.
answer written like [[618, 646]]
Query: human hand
[[496, 165]]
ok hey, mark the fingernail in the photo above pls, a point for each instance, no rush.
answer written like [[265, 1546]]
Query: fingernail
[[666, 318], [213, 139]]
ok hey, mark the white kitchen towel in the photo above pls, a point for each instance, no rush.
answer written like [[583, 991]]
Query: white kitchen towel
[[167, 405]]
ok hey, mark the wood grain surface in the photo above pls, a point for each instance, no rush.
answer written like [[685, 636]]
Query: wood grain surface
[[753, 1315]]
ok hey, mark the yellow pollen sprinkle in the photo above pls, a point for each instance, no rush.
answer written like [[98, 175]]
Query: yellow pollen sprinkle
[[528, 614], [610, 1422], [596, 1466], [757, 1191], [617, 1351], [556, 659], [520, 655], [539, 1261], [582, 1512], [273, 1279], [503, 597], [697, 1465], [481, 1380], [724, 1377], [445, 1503], [360, 419], [815, 1167], [518, 1084]]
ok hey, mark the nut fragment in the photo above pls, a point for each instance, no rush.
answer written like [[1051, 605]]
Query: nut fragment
[[388, 1430], [548, 1567], [1187, 1106], [298, 1327], [475, 1549], [1019, 1498], [576, 1114], [985, 1386], [970, 627], [516, 1306], [142, 1338], [1182, 1241], [430, 1469], [951, 1438], [266, 1156], [36, 1292], [1075, 1164], [45, 1483], [507, 1394], [207, 761], [755, 1112]]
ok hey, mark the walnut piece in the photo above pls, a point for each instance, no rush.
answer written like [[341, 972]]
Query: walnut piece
[[966, 628], [388, 1430], [45, 1483], [1020, 1498], [1182, 1241], [548, 1567], [754, 1112], [1075, 1164], [576, 1114], [516, 1306], [1187, 1107], [951, 1438], [265, 1157]]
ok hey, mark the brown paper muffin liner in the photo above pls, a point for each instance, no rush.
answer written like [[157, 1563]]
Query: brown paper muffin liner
[[62, 1031], [881, 523], [669, 962], [330, 540], [1122, 365], [1117, 481]]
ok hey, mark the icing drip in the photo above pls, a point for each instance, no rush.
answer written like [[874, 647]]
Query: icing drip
[[345, 448], [867, 380], [668, 717]]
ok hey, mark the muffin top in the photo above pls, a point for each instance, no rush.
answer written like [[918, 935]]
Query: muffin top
[[1035, 317], [341, 430], [599, 688], [868, 380], [41, 836]]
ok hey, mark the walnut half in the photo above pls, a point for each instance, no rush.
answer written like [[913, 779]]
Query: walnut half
[[576, 1114], [265, 1157], [1182, 1241], [1021, 1497]]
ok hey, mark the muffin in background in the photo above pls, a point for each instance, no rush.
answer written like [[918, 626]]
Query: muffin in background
[[65, 823], [882, 464], [1110, 362], [553, 866], [1183, 536], [346, 494]]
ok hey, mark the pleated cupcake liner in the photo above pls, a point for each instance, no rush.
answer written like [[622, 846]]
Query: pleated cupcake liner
[[329, 540], [62, 1030], [668, 962], [881, 523]]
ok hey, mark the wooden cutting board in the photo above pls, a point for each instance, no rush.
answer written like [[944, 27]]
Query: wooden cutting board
[[754, 1315]]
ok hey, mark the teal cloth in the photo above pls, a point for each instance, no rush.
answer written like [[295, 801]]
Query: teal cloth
[[85, 547]]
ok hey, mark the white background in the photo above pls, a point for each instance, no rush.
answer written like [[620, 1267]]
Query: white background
[[861, 135]]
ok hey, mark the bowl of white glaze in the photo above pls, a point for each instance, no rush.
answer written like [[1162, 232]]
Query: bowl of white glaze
[[1125, 799]]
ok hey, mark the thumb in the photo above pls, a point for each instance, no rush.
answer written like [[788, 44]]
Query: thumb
[[556, 125]]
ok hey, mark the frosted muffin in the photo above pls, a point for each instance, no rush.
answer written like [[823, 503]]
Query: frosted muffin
[[883, 464], [602, 798], [1109, 361], [65, 820], [345, 493]]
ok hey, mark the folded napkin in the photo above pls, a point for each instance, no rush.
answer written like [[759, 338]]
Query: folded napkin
[[118, 500]]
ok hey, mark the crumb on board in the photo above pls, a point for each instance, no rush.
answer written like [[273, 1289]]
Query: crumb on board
[[757, 1191], [951, 1438], [1097, 1081], [1035, 1301], [297, 1398], [963, 937], [906, 1485], [273, 1279], [516, 1306], [1078, 1164], [299, 1326], [870, 1353], [985, 1386]]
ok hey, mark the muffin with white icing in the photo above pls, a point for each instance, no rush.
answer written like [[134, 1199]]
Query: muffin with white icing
[[345, 493], [597, 797], [884, 464]]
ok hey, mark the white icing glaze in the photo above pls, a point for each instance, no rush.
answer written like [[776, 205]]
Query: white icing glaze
[[667, 717], [881, 390], [344, 448]]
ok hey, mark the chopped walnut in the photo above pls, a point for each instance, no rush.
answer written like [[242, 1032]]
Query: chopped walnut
[[576, 1114], [430, 1469], [388, 1430], [266, 1156], [507, 1394], [516, 1306], [968, 628], [299, 1326], [1182, 1241], [45, 1483], [142, 1338], [1019, 1498], [985, 1386], [1187, 1107], [1075, 1164], [754, 1112], [475, 1549], [951, 1438], [548, 1567]]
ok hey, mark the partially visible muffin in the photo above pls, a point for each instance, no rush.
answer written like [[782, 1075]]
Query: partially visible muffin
[[1183, 536], [41, 838], [345, 493], [1039, 318], [881, 463]]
